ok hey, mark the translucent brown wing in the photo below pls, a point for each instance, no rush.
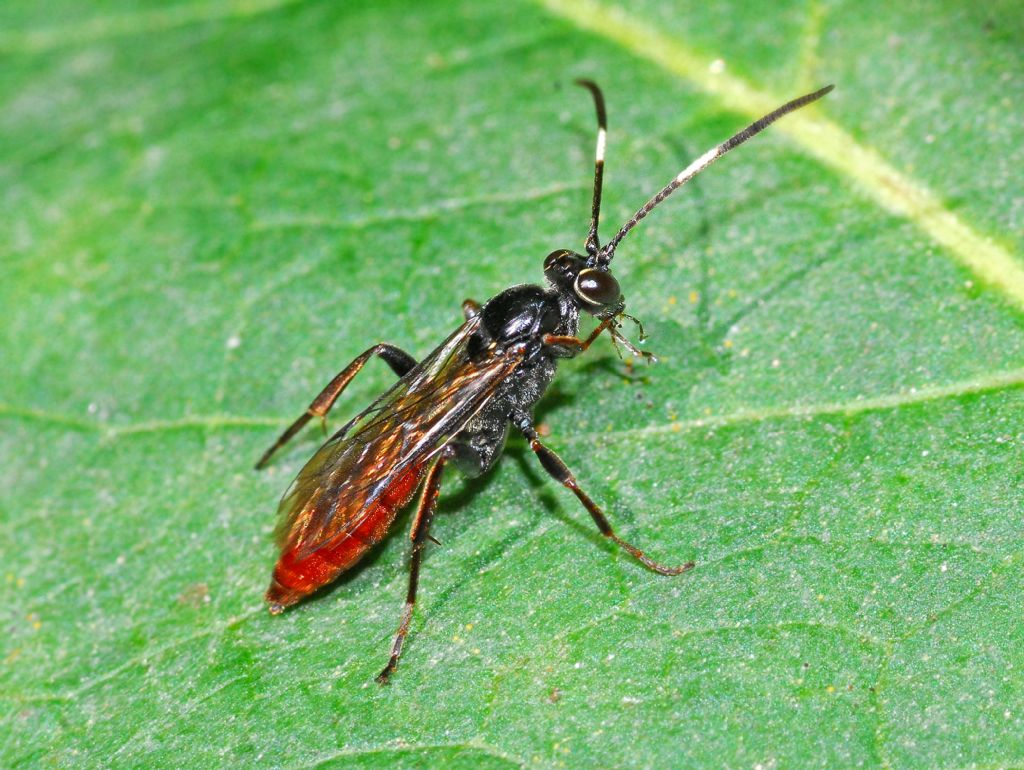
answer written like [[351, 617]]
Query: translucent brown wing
[[401, 430]]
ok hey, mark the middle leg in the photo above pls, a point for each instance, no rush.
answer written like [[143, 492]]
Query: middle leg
[[559, 472]]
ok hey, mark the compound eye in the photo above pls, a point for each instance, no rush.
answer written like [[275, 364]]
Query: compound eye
[[555, 257], [597, 287]]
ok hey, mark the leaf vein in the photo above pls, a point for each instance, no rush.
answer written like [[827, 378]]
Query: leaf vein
[[1006, 380], [472, 745], [820, 137], [435, 210], [1011, 379], [156, 19]]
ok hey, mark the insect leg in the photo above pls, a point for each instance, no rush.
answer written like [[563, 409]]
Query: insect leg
[[575, 344], [646, 355], [419, 535], [470, 309], [399, 361], [559, 472]]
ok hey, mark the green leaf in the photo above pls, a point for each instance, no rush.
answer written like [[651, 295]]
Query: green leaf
[[210, 208]]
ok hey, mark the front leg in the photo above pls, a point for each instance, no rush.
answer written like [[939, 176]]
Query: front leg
[[574, 345], [618, 339]]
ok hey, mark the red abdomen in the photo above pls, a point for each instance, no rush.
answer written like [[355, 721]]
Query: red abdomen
[[296, 577]]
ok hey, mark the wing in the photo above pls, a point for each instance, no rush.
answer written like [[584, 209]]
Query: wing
[[402, 429]]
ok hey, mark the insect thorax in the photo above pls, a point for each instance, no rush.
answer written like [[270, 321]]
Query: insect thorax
[[526, 313]]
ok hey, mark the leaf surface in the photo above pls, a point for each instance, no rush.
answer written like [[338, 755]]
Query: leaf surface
[[210, 208]]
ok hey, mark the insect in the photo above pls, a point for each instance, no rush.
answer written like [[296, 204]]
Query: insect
[[456, 406]]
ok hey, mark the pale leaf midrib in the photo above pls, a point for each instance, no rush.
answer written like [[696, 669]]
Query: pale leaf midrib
[[818, 136], [991, 383], [1000, 381]]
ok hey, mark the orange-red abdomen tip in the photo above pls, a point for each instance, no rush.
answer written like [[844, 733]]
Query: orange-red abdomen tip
[[297, 576]]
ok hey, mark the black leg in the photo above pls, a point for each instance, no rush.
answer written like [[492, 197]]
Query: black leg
[[559, 472], [399, 361], [419, 535]]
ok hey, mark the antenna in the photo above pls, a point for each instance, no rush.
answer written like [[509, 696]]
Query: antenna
[[688, 173], [592, 244]]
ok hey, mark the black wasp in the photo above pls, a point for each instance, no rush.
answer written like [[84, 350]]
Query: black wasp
[[456, 406]]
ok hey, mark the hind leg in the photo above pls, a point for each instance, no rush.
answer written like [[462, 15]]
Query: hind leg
[[419, 535], [399, 361]]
